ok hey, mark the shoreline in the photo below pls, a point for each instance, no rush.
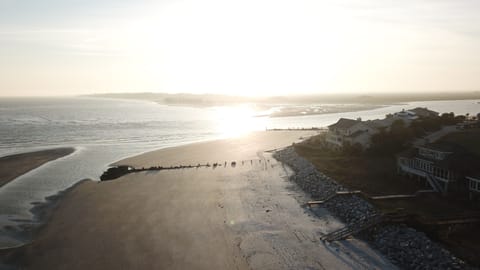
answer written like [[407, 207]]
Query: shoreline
[[135, 199], [162, 220], [41, 214], [167, 156], [16, 165]]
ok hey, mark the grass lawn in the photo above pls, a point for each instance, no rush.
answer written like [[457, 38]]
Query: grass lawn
[[468, 139], [372, 175]]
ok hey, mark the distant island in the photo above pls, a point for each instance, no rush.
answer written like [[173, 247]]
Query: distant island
[[217, 100], [283, 106]]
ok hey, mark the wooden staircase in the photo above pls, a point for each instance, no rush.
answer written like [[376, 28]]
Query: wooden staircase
[[347, 231], [434, 183]]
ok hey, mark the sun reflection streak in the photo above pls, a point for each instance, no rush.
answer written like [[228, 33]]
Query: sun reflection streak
[[235, 121]]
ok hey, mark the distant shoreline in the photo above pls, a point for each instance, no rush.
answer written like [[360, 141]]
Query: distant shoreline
[[211, 100], [16, 165]]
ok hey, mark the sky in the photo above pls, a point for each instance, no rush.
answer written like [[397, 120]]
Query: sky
[[247, 47]]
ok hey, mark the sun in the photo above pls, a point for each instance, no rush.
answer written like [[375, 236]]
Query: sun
[[235, 121]]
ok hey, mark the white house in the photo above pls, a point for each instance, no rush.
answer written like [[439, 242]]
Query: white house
[[435, 163]]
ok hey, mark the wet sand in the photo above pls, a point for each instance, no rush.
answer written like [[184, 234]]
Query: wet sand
[[244, 217], [13, 166]]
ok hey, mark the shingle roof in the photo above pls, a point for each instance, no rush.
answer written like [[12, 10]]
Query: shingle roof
[[344, 123], [380, 123], [408, 153], [459, 159], [443, 147], [423, 111]]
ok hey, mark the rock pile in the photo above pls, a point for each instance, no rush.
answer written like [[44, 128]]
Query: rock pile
[[405, 247], [411, 249], [350, 209], [313, 182]]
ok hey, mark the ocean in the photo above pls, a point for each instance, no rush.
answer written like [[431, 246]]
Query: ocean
[[106, 130]]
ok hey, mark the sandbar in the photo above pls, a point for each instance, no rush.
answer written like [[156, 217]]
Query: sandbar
[[13, 166]]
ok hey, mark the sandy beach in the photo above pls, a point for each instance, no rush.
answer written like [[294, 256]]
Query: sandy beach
[[247, 216], [15, 165]]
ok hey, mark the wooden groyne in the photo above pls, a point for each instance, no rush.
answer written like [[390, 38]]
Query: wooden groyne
[[118, 171]]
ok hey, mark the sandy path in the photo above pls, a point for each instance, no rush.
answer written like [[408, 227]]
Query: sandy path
[[243, 217]]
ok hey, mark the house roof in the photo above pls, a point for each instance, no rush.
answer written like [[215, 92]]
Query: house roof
[[475, 176], [423, 111], [344, 123], [459, 159], [409, 153], [443, 147], [380, 123], [461, 162]]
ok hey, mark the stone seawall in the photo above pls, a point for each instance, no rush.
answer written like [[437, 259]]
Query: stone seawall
[[403, 246]]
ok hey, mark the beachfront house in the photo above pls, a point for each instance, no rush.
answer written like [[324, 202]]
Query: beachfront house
[[408, 116], [358, 132], [431, 163], [424, 112], [470, 122], [349, 131], [441, 165]]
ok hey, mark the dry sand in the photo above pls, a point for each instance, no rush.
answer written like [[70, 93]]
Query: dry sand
[[243, 217], [13, 166], [244, 147]]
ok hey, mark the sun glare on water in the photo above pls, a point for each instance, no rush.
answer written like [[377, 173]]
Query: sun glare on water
[[235, 121]]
